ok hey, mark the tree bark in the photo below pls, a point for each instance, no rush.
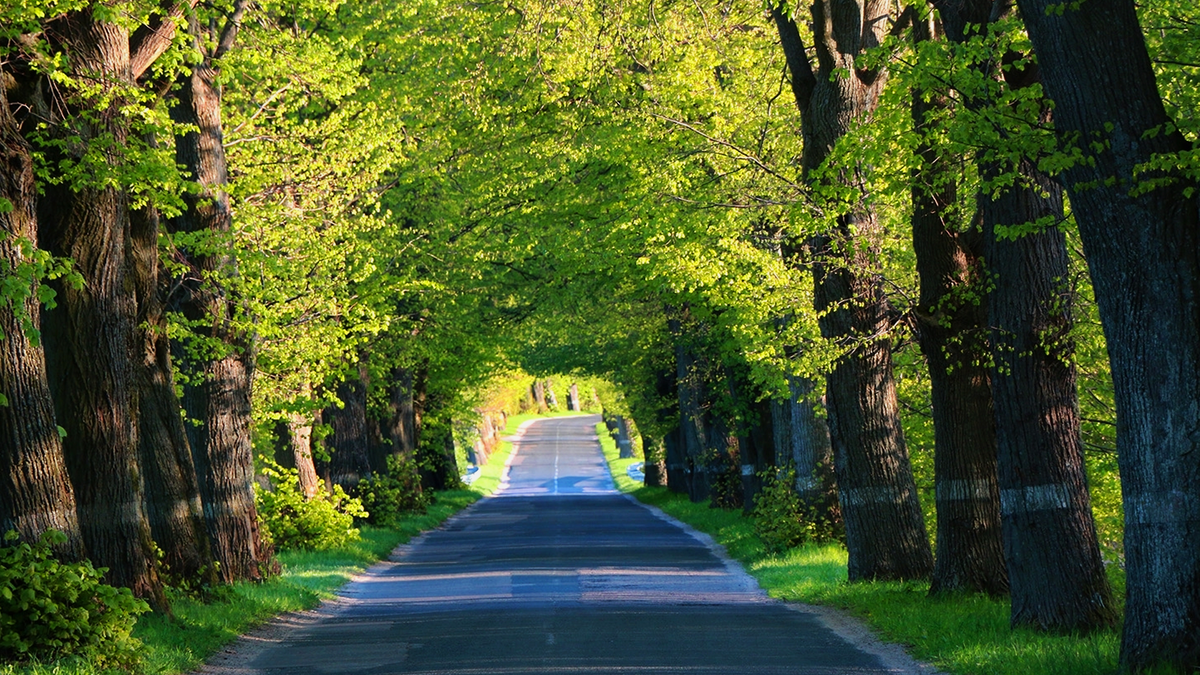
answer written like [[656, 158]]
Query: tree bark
[[1143, 250], [402, 429], [35, 489], [295, 439], [90, 338], [349, 446], [885, 529], [219, 398], [951, 328], [172, 495], [1054, 565], [811, 452]]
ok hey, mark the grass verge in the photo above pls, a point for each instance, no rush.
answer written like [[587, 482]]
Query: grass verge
[[964, 635], [197, 629]]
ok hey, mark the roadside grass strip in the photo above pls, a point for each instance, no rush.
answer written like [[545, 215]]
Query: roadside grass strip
[[963, 634], [198, 628]]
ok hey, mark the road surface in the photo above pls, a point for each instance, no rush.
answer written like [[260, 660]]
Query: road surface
[[558, 573]]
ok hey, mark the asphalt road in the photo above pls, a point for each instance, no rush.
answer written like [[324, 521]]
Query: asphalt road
[[558, 573]]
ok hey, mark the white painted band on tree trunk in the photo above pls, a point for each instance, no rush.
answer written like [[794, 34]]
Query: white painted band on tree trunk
[[1034, 498], [1164, 507], [965, 490], [805, 483], [873, 494], [747, 469]]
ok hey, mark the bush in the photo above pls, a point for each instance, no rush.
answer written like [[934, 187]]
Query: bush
[[391, 495], [292, 522], [50, 609], [779, 516]]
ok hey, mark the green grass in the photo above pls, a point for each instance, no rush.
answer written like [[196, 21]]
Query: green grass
[[967, 635], [196, 629], [618, 466]]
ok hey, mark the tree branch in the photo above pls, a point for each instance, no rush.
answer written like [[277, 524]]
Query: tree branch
[[803, 78], [150, 41], [229, 33]]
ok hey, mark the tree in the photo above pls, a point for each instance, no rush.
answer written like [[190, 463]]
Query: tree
[[1139, 224], [885, 531]]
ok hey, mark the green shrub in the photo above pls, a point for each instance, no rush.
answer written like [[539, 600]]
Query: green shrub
[[391, 495], [780, 519], [292, 522], [50, 609]]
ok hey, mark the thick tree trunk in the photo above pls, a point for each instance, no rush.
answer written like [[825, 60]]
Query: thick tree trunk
[[573, 398], [296, 440], [952, 332], [1143, 249], [758, 451], [538, 391], [885, 529], [348, 444], [172, 495], [812, 455], [677, 474], [655, 466], [1054, 565], [693, 439], [402, 429], [219, 399], [35, 490], [90, 338], [624, 440]]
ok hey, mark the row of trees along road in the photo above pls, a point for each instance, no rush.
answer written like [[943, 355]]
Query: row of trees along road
[[939, 258]]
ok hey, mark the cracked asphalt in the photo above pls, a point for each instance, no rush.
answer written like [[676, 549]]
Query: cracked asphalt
[[559, 573]]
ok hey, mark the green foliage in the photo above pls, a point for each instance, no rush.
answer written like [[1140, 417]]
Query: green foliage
[[292, 522], [391, 496], [50, 609], [779, 516]]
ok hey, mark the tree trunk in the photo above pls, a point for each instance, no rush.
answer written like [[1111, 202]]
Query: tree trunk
[[539, 395], [692, 437], [35, 490], [348, 444], [1143, 250], [1054, 565], [219, 398], [402, 429], [296, 440], [951, 328], [811, 452], [624, 441], [885, 529], [758, 451], [654, 467], [573, 398], [172, 495], [677, 475], [90, 338]]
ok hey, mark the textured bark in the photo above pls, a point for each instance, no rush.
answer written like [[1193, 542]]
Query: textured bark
[[677, 475], [624, 441], [538, 391], [757, 444], [885, 530], [693, 437], [219, 399], [811, 452], [1054, 565], [348, 444], [296, 440], [35, 490], [1144, 254], [402, 428], [91, 337], [573, 398], [172, 495], [951, 328]]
